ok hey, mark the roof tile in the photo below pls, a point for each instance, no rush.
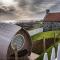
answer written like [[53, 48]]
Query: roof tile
[[52, 17]]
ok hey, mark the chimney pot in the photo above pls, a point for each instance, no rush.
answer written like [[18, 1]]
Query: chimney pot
[[47, 11]]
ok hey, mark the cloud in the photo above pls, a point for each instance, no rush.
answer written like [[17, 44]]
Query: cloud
[[36, 6], [55, 8], [33, 8]]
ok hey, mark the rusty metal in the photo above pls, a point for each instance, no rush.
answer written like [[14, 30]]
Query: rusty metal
[[7, 32]]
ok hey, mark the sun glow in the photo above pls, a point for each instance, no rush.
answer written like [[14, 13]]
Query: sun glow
[[8, 2]]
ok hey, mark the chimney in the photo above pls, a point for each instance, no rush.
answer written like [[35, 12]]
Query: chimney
[[47, 11]]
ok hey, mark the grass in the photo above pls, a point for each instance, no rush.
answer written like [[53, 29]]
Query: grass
[[49, 34]]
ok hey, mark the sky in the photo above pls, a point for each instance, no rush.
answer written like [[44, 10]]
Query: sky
[[33, 9]]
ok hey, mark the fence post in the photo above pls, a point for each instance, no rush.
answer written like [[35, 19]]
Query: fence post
[[44, 45], [58, 52], [53, 54], [54, 37], [45, 56]]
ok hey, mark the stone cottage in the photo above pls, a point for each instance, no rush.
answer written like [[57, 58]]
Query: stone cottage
[[51, 21]]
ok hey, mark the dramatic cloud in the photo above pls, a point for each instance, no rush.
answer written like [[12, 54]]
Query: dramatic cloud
[[32, 9]]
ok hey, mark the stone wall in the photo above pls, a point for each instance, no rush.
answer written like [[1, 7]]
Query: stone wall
[[48, 26]]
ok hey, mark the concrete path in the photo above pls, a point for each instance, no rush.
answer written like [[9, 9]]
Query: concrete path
[[35, 31], [33, 56]]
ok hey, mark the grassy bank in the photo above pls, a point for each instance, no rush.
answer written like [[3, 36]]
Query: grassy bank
[[46, 35], [51, 39]]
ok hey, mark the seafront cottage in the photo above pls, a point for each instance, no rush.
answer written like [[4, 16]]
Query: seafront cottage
[[51, 21]]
